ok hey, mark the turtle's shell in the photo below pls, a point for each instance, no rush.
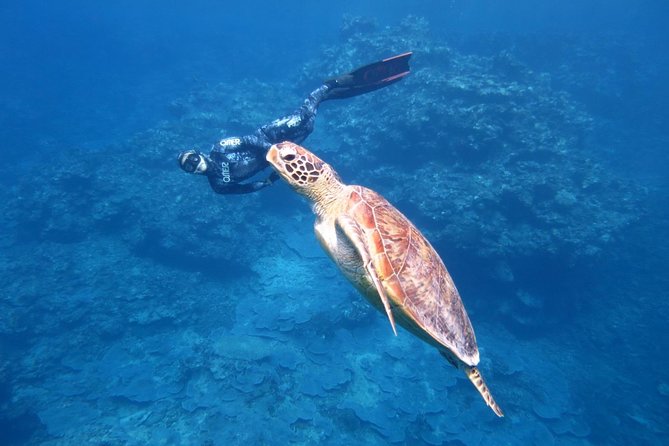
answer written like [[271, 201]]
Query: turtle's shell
[[422, 294]]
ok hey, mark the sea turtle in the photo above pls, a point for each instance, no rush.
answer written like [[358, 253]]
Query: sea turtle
[[386, 258]]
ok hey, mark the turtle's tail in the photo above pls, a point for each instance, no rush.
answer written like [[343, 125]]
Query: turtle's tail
[[475, 377]]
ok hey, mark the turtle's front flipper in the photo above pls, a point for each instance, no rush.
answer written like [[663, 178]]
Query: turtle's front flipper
[[353, 232]]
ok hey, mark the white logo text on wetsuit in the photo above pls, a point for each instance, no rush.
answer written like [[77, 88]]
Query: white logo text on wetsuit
[[225, 172], [225, 167], [227, 142]]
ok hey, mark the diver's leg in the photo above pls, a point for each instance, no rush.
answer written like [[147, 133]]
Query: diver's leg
[[299, 124], [314, 99]]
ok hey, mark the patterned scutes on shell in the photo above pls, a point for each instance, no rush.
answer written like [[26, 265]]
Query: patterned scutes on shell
[[424, 298]]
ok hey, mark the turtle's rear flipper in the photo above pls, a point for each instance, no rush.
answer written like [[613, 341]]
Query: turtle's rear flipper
[[475, 377], [369, 78]]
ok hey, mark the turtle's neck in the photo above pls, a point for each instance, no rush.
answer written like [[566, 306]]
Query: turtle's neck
[[324, 193]]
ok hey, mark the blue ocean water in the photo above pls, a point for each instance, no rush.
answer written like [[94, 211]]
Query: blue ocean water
[[138, 307]]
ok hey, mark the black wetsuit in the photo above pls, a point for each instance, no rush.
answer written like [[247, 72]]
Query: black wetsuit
[[234, 160]]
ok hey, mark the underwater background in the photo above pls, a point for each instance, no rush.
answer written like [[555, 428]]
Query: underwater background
[[530, 144]]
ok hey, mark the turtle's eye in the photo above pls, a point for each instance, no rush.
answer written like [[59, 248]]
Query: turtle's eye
[[288, 153]]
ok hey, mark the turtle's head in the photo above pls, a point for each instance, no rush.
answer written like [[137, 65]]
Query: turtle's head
[[302, 170]]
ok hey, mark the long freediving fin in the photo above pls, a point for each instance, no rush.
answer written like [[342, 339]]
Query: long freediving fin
[[369, 77]]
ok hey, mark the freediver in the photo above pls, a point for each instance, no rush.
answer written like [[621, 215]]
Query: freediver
[[236, 159]]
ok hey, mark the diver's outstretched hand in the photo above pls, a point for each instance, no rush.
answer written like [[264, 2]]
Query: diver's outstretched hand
[[272, 178]]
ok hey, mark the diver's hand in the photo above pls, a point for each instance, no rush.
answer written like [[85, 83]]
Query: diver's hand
[[272, 178]]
